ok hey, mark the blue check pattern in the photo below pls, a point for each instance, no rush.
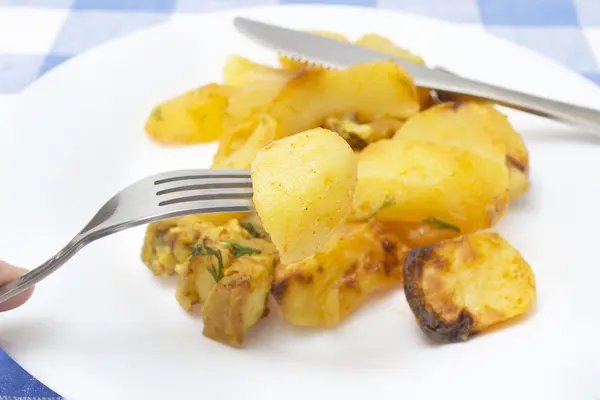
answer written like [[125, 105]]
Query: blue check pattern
[[567, 31]]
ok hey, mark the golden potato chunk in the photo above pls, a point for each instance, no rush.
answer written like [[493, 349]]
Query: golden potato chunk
[[464, 286], [303, 187], [384, 45], [240, 71], [323, 290], [239, 146], [371, 91], [239, 300], [196, 116], [475, 126], [436, 183]]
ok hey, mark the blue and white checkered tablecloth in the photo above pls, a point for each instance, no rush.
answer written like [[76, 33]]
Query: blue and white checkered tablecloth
[[38, 35]]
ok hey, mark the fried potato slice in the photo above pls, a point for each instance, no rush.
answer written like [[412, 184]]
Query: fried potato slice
[[404, 181], [464, 286], [239, 146], [239, 300], [239, 71], [196, 116], [372, 91], [380, 43], [323, 290], [294, 65], [475, 126], [303, 187]]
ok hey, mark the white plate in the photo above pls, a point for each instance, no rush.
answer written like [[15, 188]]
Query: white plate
[[104, 328]]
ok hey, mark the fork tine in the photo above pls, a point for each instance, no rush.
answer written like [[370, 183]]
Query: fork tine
[[198, 184], [214, 194], [208, 206], [199, 174]]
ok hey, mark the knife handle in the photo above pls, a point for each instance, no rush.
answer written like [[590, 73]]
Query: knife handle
[[556, 110]]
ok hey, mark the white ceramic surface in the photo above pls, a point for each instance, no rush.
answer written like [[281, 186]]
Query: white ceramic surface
[[104, 328]]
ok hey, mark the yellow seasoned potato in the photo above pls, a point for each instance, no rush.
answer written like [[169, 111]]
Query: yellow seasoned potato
[[240, 71], [293, 65], [384, 45], [256, 86], [215, 249], [239, 300], [239, 147], [371, 91], [475, 126], [303, 187], [169, 242], [438, 183], [196, 116], [464, 286], [323, 290], [419, 234]]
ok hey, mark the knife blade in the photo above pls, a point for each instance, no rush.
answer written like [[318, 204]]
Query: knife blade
[[328, 52], [315, 49]]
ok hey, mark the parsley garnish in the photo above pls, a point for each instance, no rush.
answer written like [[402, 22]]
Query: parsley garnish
[[252, 230], [387, 202], [237, 250], [204, 250], [438, 223], [157, 114]]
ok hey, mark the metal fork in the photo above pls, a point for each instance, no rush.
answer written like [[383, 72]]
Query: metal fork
[[156, 197]]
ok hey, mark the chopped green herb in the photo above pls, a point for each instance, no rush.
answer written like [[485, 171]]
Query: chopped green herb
[[252, 230], [204, 250], [237, 250], [387, 202], [157, 114], [438, 223]]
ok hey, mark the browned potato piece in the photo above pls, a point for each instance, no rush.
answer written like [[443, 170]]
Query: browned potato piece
[[419, 234], [405, 181], [372, 91], [239, 300], [196, 116], [291, 64], [384, 45], [464, 286], [475, 126], [323, 290]]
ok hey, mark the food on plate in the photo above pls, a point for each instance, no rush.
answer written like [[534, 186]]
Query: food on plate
[[359, 135], [478, 127], [196, 116], [417, 181], [362, 182], [464, 286], [303, 187], [227, 267], [324, 289], [302, 100]]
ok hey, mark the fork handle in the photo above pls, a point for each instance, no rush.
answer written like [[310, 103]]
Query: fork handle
[[557, 110], [34, 276]]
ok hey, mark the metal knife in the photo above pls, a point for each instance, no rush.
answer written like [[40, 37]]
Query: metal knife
[[333, 53]]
